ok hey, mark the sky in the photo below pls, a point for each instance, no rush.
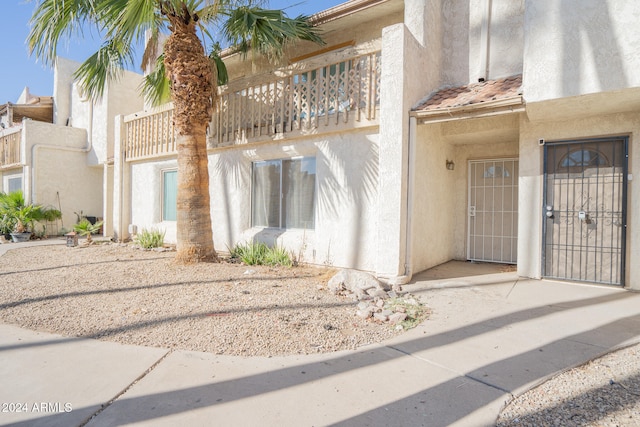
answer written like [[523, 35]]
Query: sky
[[18, 69]]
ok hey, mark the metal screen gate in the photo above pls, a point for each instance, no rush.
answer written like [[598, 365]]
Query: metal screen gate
[[493, 211], [584, 225]]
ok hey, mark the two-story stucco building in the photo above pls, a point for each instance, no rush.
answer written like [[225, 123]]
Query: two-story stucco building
[[424, 131], [56, 149]]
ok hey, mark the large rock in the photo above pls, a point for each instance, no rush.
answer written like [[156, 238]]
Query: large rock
[[362, 284]]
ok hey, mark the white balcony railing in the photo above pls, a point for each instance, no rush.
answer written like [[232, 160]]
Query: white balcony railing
[[340, 93], [301, 101]]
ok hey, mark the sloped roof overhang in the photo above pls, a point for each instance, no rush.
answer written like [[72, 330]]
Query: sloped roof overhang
[[483, 99], [485, 109], [40, 112]]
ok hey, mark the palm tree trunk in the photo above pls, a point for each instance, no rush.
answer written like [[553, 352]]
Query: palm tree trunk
[[191, 80]]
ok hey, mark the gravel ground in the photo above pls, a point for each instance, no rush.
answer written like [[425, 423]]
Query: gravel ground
[[604, 392], [118, 293]]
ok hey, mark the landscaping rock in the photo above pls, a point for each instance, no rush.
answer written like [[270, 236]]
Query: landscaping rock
[[397, 318], [381, 317], [357, 282]]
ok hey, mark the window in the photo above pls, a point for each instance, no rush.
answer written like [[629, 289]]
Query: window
[[169, 195], [14, 184], [284, 193], [583, 159], [496, 172]]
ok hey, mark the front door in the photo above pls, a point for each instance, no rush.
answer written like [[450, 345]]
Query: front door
[[493, 211], [584, 210]]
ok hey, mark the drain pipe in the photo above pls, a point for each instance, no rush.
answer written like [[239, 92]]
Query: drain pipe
[[411, 152], [485, 40]]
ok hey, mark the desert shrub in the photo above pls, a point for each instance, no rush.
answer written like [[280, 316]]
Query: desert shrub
[[278, 256], [85, 228], [258, 253], [152, 238]]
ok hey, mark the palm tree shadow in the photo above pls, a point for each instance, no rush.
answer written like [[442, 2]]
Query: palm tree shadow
[[82, 264], [347, 193], [468, 392]]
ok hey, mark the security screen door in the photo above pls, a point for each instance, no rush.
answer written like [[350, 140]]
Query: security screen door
[[493, 211], [584, 214]]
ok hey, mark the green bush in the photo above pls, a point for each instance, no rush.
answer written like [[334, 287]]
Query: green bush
[[85, 228], [17, 216], [258, 253], [278, 256], [152, 238]]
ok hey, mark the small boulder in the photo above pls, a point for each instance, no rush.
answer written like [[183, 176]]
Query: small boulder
[[360, 283]]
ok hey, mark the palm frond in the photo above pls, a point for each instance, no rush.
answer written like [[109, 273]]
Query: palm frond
[[220, 68], [128, 20], [55, 21], [155, 86], [105, 65], [266, 32]]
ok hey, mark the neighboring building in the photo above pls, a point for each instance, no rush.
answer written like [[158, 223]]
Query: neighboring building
[[55, 149], [424, 131]]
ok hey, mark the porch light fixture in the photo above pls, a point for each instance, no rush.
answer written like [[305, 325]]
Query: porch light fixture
[[450, 165]]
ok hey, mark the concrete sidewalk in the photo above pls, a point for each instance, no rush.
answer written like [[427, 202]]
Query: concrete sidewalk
[[7, 246], [489, 336]]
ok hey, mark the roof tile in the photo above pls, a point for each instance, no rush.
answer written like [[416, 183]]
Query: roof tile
[[474, 93]]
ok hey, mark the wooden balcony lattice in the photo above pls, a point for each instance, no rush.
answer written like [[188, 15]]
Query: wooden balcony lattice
[[340, 93], [10, 147]]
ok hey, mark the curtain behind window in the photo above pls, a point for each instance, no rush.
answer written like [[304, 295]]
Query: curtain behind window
[[298, 188], [266, 194]]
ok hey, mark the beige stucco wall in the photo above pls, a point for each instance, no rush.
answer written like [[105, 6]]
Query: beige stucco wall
[[433, 224], [477, 43], [63, 89], [98, 117], [56, 170], [590, 51], [122, 97], [415, 49]]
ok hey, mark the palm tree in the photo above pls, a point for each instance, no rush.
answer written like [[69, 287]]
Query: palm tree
[[85, 228], [188, 70]]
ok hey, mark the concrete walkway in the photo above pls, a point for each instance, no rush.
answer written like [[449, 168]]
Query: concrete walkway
[[489, 336]]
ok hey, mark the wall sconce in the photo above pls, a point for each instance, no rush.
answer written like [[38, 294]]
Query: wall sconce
[[450, 165]]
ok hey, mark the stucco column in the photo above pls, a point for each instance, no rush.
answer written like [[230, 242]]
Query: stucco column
[[392, 167], [107, 199], [121, 184], [409, 68], [529, 203]]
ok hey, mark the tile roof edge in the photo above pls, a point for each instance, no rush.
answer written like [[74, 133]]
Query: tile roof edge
[[513, 104]]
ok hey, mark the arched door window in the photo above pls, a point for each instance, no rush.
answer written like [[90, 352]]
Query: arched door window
[[582, 159]]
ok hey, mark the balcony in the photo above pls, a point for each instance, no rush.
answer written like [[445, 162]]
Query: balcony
[[341, 95], [10, 147]]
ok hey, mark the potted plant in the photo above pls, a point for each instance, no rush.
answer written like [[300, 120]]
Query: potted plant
[[25, 216], [18, 218]]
